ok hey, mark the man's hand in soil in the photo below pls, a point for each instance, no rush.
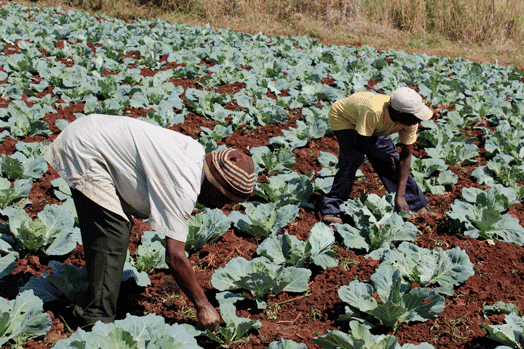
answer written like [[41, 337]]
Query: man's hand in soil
[[401, 204], [208, 318], [184, 276]]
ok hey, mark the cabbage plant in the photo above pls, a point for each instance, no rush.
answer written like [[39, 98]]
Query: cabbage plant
[[68, 283], [206, 226], [292, 188], [376, 226], [19, 166], [260, 276], [502, 169], [510, 334], [15, 195], [22, 318], [398, 302], [7, 264], [455, 153], [236, 328], [480, 214], [422, 169], [23, 120], [500, 307], [262, 220], [209, 138], [32, 149], [62, 190], [151, 253], [360, 337], [208, 104], [435, 135], [446, 269], [141, 332], [289, 250], [8, 255], [53, 232], [299, 136], [268, 162]]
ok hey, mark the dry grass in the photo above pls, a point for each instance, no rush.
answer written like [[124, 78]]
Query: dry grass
[[471, 21], [484, 30]]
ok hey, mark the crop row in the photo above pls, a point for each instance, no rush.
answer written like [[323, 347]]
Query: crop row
[[54, 60]]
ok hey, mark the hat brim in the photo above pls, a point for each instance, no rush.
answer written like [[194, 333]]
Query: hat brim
[[209, 176], [424, 114]]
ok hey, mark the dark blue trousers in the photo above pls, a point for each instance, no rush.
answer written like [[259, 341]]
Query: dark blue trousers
[[350, 158]]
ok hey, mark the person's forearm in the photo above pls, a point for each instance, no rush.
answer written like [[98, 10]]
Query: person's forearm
[[184, 276], [182, 271], [404, 165]]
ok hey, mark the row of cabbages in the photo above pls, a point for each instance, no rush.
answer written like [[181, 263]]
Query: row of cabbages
[[100, 63]]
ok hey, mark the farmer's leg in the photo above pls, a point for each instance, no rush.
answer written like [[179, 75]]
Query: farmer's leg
[[105, 237], [414, 195], [349, 160]]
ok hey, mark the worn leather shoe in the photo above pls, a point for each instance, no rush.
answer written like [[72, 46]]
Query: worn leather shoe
[[329, 219]]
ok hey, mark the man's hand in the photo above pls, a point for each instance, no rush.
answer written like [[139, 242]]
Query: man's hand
[[208, 318], [182, 271], [401, 204]]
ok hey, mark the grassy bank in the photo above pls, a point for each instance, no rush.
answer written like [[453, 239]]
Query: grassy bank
[[484, 30]]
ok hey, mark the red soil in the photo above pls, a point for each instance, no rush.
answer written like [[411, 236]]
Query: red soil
[[499, 268]]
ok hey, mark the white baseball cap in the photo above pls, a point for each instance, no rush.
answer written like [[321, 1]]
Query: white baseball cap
[[407, 100]]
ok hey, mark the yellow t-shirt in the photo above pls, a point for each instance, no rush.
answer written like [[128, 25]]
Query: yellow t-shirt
[[367, 113]]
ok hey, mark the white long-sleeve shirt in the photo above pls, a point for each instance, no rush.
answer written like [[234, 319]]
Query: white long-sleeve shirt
[[132, 167]]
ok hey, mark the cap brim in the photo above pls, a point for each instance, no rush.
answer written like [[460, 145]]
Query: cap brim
[[425, 113]]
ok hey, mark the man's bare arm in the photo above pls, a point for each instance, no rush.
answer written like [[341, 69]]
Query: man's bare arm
[[182, 271], [404, 165]]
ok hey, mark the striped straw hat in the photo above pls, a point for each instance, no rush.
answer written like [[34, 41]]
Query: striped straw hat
[[232, 172]]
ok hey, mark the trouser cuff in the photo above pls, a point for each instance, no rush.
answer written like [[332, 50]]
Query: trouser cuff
[[82, 319]]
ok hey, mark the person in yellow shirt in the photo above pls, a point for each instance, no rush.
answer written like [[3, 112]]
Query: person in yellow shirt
[[362, 124]]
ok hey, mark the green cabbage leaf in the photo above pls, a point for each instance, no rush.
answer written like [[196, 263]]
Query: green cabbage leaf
[[140, 332], [23, 317], [398, 303], [260, 276], [289, 250], [446, 269]]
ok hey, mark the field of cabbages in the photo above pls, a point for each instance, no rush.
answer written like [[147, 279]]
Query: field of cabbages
[[280, 277]]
